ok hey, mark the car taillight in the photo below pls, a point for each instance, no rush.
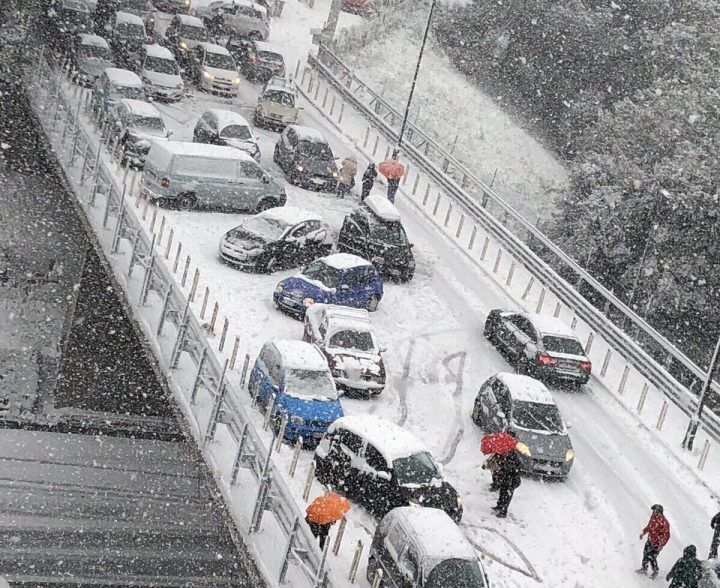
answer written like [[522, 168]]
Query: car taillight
[[585, 366], [546, 359], [165, 183]]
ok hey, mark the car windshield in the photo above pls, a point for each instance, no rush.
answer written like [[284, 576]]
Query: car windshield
[[94, 52], [193, 33], [236, 132], [563, 345], [280, 97], [219, 61], [419, 468], [151, 125], [321, 272], [315, 150], [130, 30], [161, 65], [459, 573], [537, 417], [133, 92], [140, 5], [352, 339], [389, 233], [309, 384], [249, 12], [269, 229], [271, 57]]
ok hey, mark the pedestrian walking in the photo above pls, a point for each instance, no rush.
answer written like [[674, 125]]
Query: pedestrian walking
[[368, 181], [323, 512], [346, 181], [687, 571], [715, 543], [658, 534], [393, 170], [507, 477]]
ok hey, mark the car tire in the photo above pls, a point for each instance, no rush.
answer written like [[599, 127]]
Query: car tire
[[186, 202], [276, 156], [372, 304], [265, 204]]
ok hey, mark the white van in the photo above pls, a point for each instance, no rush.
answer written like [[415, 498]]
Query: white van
[[160, 73]]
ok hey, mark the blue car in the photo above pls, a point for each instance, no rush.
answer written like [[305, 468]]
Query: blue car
[[342, 279], [299, 377]]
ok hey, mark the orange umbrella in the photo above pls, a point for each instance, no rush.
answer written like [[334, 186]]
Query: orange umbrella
[[392, 169], [328, 508]]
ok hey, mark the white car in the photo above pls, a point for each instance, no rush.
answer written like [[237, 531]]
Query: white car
[[160, 73], [214, 69], [225, 127]]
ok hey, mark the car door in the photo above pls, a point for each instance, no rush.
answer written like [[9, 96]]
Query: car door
[[344, 292], [409, 566], [296, 246], [502, 408], [224, 182], [351, 236], [252, 188], [347, 451], [376, 482], [505, 332], [393, 546], [522, 333]]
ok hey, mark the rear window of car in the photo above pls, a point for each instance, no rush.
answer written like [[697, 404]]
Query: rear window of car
[[271, 57], [554, 343], [460, 573], [193, 33], [388, 232], [352, 339], [128, 29], [280, 97]]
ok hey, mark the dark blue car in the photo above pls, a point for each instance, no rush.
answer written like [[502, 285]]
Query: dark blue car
[[295, 378], [342, 279]]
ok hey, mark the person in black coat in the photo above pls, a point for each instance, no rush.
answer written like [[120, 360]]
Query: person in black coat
[[687, 571], [368, 181], [507, 478], [715, 525]]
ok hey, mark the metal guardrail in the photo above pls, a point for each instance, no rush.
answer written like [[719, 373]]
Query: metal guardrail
[[83, 153], [479, 202]]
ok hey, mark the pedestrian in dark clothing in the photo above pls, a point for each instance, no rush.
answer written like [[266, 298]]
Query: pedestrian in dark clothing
[[393, 170], [687, 571], [492, 465], [658, 534], [507, 477], [715, 524], [319, 531], [393, 185], [368, 181]]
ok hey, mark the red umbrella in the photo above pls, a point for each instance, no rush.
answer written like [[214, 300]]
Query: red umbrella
[[327, 508], [392, 169], [500, 443]]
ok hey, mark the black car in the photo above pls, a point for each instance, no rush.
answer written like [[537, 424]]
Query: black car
[[67, 19], [306, 158], [382, 466], [276, 239], [258, 60], [521, 404], [374, 231], [126, 37], [542, 347]]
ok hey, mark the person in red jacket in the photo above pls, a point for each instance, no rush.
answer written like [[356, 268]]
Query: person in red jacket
[[658, 534]]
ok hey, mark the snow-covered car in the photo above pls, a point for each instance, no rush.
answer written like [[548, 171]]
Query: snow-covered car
[[183, 34], [127, 36], [213, 69], [260, 61], [173, 6], [383, 466], [306, 158], [374, 231], [217, 126], [90, 56], [160, 73], [236, 17], [275, 239], [142, 8], [277, 105], [424, 548], [135, 124], [348, 341], [540, 346], [115, 84], [69, 18], [523, 405], [294, 378]]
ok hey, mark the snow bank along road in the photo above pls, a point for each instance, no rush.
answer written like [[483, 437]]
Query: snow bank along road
[[580, 533]]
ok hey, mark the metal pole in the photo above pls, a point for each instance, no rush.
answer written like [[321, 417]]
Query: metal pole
[[694, 423], [414, 81]]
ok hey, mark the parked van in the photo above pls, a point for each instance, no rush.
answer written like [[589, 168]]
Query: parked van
[[188, 175], [298, 376], [423, 547], [127, 35], [113, 85], [89, 57], [160, 73]]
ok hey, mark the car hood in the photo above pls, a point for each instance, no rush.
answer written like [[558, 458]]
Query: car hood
[[318, 410], [93, 67], [163, 80], [302, 287], [221, 74], [245, 239], [544, 445], [248, 146]]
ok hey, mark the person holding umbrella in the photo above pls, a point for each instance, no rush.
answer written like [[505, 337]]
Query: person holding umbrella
[[496, 445], [368, 180], [393, 170], [507, 466], [323, 512]]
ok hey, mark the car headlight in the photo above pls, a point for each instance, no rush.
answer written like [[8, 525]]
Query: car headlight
[[208, 75], [308, 301], [334, 174], [296, 420], [569, 455], [236, 81], [299, 168], [523, 449], [279, 288], [183, 45]]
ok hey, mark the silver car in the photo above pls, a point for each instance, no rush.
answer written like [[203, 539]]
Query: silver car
[[241, 17]]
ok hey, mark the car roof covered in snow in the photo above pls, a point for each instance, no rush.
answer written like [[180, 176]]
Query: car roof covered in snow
[[525, 388], [308, 134], [282, 84], [265, 46], [190, 21], [123, 77], [140, 108], [161, 153], [300, 355], [548, 325], [228, 117], [290, 215], [158, 51], [438, 536], [213, 48], [382, 207], [259, 7], [343, 261], [93, 40], [128, 18], [391, 440]]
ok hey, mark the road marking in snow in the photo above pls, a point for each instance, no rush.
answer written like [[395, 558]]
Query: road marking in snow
[[457, 398], [530, 572]]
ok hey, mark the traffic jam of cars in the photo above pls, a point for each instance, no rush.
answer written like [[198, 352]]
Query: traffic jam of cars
[[135, 55]]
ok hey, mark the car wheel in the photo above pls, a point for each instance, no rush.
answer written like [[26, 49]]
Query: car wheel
[[372, 304], [276, 155], [265, 204], [186, 202]]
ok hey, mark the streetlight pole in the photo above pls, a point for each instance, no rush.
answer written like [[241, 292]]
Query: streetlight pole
[[414, 80], [694, 423]]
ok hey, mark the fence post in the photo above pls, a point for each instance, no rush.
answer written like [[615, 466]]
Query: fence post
[[233, 355], [498, 257], [239, 455], [320, 577], [226, 324], [606, 363], [511, 271], [472, 238], [309, 481], [448, 214], [460, 226], [528, 287], [169, 243], [377, 579], [193, 288], [198, 376], [281, 433], [623, 379], [339, 536], [268, 414], [203, 308], [704, 455], [215, 415], [588, 345], [416, 183], [355, 561], [296, 456], [643, 396], [288, 550], [661, 417], [427, 194], [541, 301]]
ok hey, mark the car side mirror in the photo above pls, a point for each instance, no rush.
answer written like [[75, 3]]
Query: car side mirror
[[568, 426], [411, 245], [265, 180], [170, 133]]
